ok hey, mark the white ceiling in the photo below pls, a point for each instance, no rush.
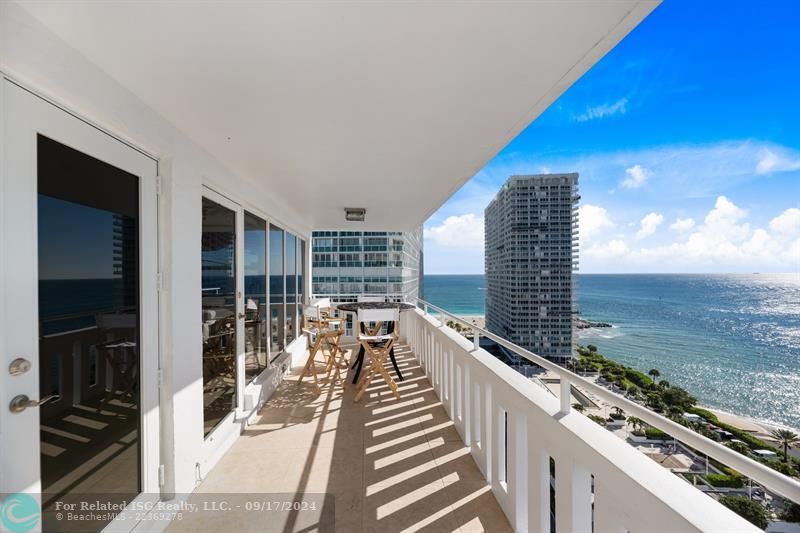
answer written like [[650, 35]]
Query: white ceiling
[[390, 106]]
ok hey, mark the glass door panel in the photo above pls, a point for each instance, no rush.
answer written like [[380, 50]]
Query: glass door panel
[[276, 289], [89, 329], [291, 287], [255, 295], [219, 321], [301, 279]]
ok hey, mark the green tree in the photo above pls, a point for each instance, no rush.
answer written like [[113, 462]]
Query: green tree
[[635, 422], [654, 373], [679, 397], [675, 412], [748, 509], [663, 384], [592, 348], [578, 407], [785, 438]]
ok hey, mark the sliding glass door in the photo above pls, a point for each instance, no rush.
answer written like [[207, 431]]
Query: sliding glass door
[[252, 296]]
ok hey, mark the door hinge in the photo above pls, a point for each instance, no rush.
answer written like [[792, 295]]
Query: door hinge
[[161, 481], [159, 183]]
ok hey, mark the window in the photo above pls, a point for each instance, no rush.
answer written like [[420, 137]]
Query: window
[[301, 281], [276, 289], [291, 287], [219, 312], [255, 295]]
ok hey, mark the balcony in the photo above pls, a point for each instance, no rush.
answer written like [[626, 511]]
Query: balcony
[[385, 464], [471, 445]]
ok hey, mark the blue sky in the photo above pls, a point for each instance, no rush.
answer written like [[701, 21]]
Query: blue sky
[[687, 140]]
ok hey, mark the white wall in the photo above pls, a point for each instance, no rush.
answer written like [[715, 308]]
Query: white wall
[[32, 55]]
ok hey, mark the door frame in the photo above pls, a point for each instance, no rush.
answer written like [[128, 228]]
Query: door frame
[[23, 115]]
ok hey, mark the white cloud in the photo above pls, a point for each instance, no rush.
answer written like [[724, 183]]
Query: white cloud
[[777, 160], [787, 223], [682, 224], [464, 231], [649, 224], [723, 220], [611, 249], [606, 109], [725, 241], [592, 220], [637, 176]]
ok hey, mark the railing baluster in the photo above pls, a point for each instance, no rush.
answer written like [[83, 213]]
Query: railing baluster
[[783, 485], [565, 394]]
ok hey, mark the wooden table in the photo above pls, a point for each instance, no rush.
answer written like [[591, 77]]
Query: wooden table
[[353, 308]]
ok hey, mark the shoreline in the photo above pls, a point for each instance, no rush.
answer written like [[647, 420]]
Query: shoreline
[[758, 427]]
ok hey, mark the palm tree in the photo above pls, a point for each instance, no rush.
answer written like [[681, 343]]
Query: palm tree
[[664, 384], [654, 373], [635, 422], [578, 407], [785, 438], [618, 410]]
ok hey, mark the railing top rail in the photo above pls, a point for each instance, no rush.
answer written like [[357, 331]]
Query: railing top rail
[[769, 478]]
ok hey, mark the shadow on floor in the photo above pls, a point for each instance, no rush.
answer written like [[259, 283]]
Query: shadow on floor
[[382, 464]]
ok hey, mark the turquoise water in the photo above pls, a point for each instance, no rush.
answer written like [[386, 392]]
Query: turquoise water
[[733, 341]]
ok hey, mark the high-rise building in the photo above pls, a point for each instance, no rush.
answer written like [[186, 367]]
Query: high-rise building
[[531, 246], [346, 264]]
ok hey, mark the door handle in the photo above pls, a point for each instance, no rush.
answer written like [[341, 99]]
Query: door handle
[[21, 402]]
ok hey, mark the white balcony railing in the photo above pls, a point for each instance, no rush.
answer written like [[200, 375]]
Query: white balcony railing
[[517, 431]]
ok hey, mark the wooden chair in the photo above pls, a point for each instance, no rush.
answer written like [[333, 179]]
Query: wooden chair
[[378, 347], [359, 360], [328, 330]]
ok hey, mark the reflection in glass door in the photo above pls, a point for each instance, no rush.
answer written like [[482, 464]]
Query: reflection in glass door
[[276, 289], [291, 287], [255, 295], [89, 328], [219, 322]]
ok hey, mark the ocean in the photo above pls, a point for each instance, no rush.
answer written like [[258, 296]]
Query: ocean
[[733, 341]]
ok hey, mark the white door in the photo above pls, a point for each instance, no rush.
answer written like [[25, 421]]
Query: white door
[[78, 313]]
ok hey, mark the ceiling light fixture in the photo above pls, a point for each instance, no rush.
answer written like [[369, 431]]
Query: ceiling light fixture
[[355, 214]]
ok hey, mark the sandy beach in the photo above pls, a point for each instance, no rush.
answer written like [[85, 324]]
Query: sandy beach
[[758, 428], [476, 320]]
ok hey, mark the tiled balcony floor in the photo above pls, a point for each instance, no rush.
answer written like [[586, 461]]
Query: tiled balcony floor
[[388, 465]]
